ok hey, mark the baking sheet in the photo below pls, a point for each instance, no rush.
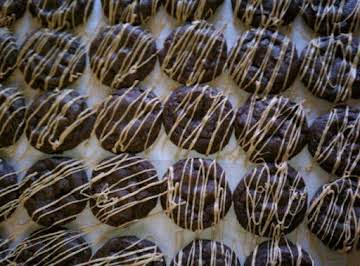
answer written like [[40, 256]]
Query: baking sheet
[[158, 227]]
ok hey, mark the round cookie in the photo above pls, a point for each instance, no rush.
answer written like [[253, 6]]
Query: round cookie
[[4, 251], [334, 214], [271, 200], [334, 141], [54, 191], [122, 55], [263, 62], [198, 118], [9, 190], [123, 189], [129, 250], [11, 10], [189, 10], [51, 59], [206, 252], [61, 14], [332, 17], [8, 53], [330, 67], [129, 120], [194, 53], [12, 116], [279, 252], [134, 12], [197, 193], [271, 129], [266, 13], [58, 121], [52, 246]]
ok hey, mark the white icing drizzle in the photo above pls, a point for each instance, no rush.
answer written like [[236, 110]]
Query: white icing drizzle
[[319, 63], [343, 144], [51, 120], [8, 49], [5, 116], [109, 201], [266, 197], [180, 55], [65, 45], [191, 190], [143, 108], [64, 15], [7, 18], [331, 15], [187, 111], [62, 172], [119, 11], [280, 116], [114, 41], [219, 254], [334, 211], [240, 71], [7, 209]]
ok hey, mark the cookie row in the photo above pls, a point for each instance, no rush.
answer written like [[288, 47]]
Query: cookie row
[[324, 17], [59, 246], [269, 201]]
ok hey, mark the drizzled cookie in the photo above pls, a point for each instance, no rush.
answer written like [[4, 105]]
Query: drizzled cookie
[[197, 193], [54, 191], [271, 200], [58, 121], [129, 120], [206, 252], [263, 62], [61, 14], [198, 118], [194, 53], [334, 141], [8, 53], [11, 10], [128, 250], [121, 55], [271, 129], [330, 67], [12, 115], [334, 214], [51, 59], [134, 12], [123, 189]]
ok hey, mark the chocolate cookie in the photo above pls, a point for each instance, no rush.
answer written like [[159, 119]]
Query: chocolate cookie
[[189, 10], [122, 55], [194, 53], [199, 118], [206, 252], [129, 120], [134, 12], [8, 53], [334, 141], [55, 191], [12, 115], [51, 59], [330, 67], [198, 195], [271, 200], [58, 121], [11, 10], [334, 214], [266, 13], [336, 16], [280, 252], [128, 250], [124, 189], [9, 190], [271, 129], [61, 14], [4, 251], [52, 246], [263, 62]]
